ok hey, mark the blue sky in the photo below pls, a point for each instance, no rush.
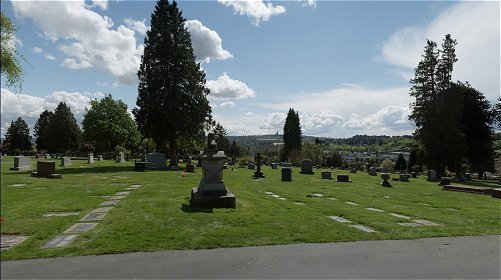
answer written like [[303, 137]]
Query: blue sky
[[344, 65]]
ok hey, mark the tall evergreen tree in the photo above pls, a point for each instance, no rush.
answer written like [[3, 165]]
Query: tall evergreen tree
[[438, 107], [496, 111], [17, 137], [401, 163], [292, 134], [223, 144], [234, 150], [424, 84], [65, 134], [172, 97], [41, 129], [476, 125], [107, 124]]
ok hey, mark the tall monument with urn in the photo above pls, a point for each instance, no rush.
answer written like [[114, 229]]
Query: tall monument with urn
[[211, 192]]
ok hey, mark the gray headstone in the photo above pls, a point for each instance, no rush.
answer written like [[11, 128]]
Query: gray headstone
[[90, 159], [404, 177], [326, 175], [121, 157], [287, 164], [21, 163], [372, 171], [286, 174], [274, 165], [306, 167], [251, 166], [65, 161], [156, 161], [432, 175], [9, 241]]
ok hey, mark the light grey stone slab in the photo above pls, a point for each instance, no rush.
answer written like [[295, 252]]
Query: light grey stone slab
[[375, 210], [80, 227], [61, 214], [331, 198], [270, 193], [109, 202], [102, 210], [121, 177], [299, 203], [115, 197], [40, 188], [426, 223], [425, 204], [282, 198], [410, 224], [317, 194], [385, 196], [363, 228], [9, 241], [123, 193], [275, 196], [399, 216], [136, 186], [60, 241], [17, 185], [93, 217], [131, 189], [351, 203], [339, 219]]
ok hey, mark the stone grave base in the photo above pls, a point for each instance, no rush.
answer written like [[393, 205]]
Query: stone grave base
[[218, 201], [494, 192], [51, 176], [258, 175], [20, 168]]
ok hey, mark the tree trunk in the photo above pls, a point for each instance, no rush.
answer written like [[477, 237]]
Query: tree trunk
[[173, 152], [481, 175]]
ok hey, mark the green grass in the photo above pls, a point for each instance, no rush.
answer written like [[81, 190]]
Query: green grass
[[158, 215]]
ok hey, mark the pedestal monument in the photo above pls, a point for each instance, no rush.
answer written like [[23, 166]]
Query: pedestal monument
[[211, 192]]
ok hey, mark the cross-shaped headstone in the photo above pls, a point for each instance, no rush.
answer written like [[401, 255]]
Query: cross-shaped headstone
[[258, 173]]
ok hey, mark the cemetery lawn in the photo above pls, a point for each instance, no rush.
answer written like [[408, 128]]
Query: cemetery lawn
[[157, 216]]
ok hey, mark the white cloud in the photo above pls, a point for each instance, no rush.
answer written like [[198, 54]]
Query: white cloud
[[37, 50], [49, 56], [87, 38], [273, 121], [310, 3], [227, 105], [389, 117], [30, 107], [258, 10], [138, 26], [226, 88], [476, 27], [102, 4], [237, 129], [206, 42]]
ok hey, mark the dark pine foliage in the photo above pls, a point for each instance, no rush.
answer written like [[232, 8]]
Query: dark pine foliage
[[42, 130], [400, 164], [292, 134], [64, 133], [172, 97], [17, 138]]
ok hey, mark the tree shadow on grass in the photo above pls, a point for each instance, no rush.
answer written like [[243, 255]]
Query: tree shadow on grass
[[188, 209], [92, 169]]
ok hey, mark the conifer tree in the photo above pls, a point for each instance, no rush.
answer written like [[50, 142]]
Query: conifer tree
[[292, 134], [65, 134], [17, 137], [172, 97], [42, 132]]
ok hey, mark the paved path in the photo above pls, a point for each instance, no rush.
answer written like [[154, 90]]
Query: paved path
[[437, 258]]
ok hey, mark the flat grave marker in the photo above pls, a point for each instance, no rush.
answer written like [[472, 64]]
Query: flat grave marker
[[9, 241], [339, 219], [102, 210], [299, 203], [282, 198], [426, 223], [123, 193], [375, 210], [61, 214], [399, 216], [109, 203], [410, 224], [269, 193], [80, 227], [317, 194], [60, 241], [17, 185], [116, 197], [363, 228], [351, 203], [93, 217]]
